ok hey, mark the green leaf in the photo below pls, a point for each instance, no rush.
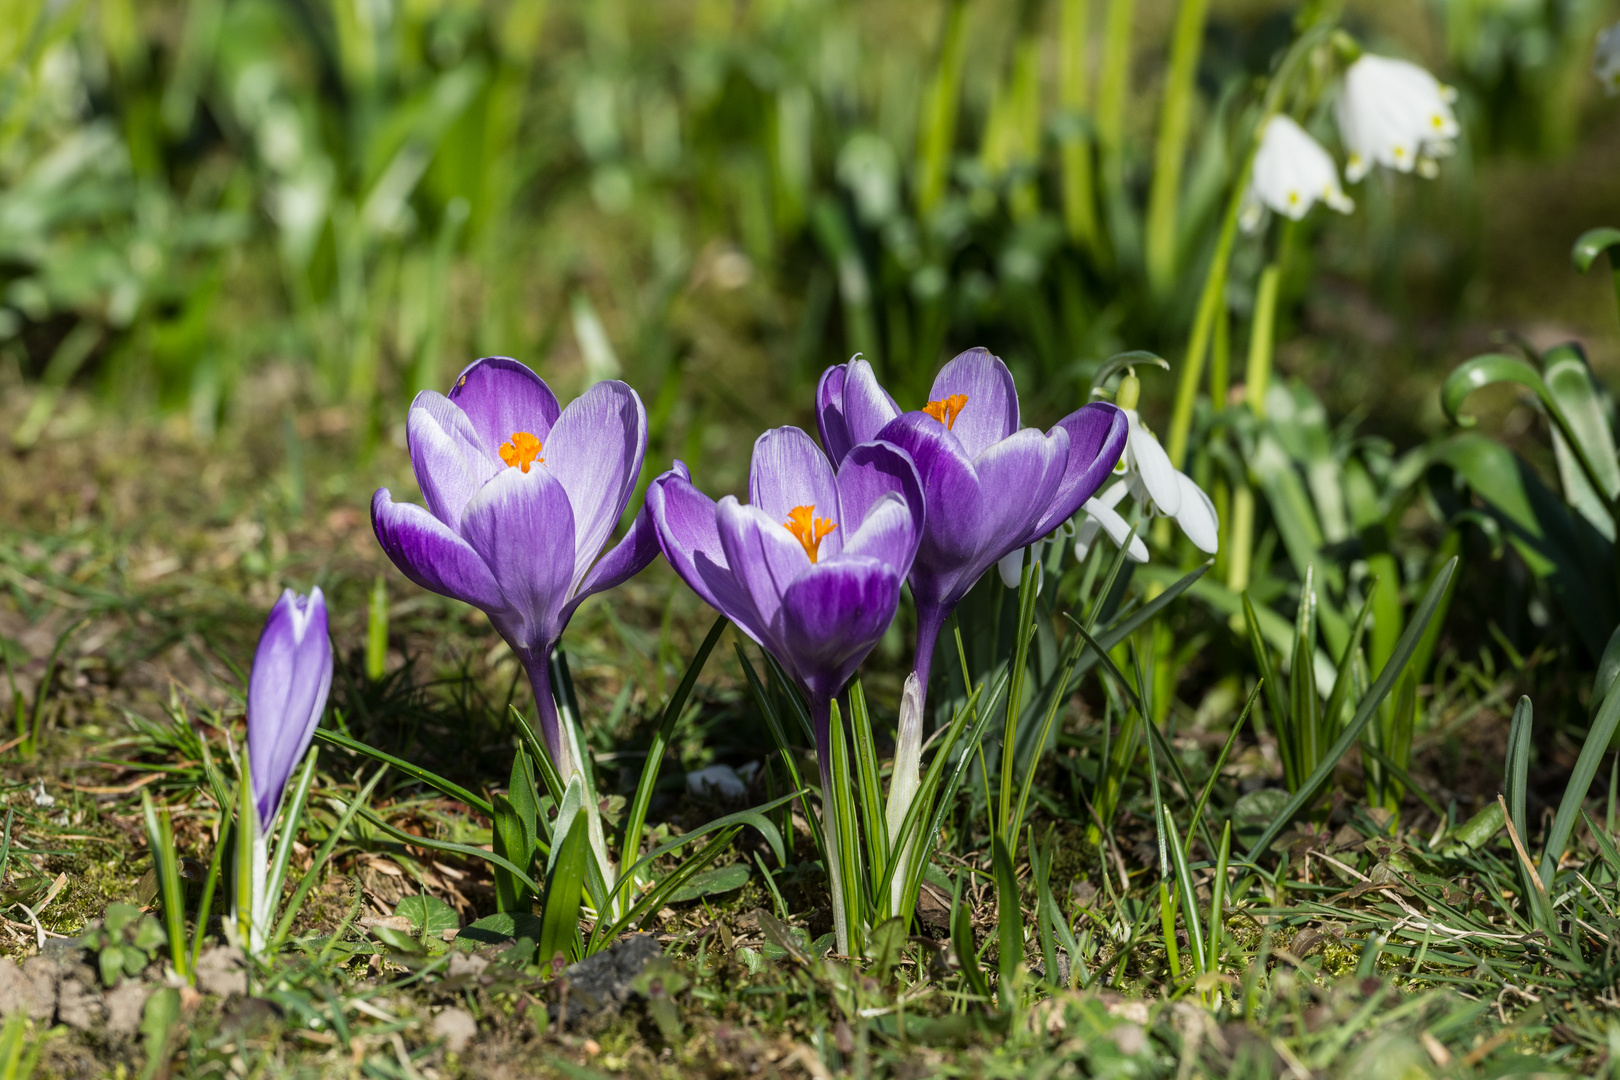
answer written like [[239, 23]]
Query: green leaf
[[962, 942], [886, 947], [565, 888], [1580, 782], [502, 927], [721, 879], [510, 843], [415, 772], [1592, 243], [1369, 704], [1477, 830], [1569, 381], [1484, 371], [1009, 915], [1121, 361], [430, 916], [636, 818]]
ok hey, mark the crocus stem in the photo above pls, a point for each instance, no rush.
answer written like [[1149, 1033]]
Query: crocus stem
[[537, 662], [821, 722]]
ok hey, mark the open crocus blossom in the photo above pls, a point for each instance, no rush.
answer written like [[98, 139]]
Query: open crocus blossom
[[990, 487], [1394, 113], [522, 496], [287, 688], [1292, 173], [810, 568]]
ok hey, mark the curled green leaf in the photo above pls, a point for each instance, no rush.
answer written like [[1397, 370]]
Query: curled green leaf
[[1483, 371], [1592, 243]]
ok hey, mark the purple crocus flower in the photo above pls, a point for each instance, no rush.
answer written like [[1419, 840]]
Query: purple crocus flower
[[810, 569], [292, 673], [522, 496], [990, 486]]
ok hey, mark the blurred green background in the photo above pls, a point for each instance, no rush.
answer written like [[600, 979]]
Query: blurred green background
[[217, 208]]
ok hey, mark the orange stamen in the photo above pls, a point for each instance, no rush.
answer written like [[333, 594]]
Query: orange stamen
[[522, 451], [808, 529], [946, 411]]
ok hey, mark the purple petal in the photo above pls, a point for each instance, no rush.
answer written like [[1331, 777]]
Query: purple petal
[[501, 396], [991, 412], [287, 689], [690, 539], [764, 557], [851, 407], [831, 618], [1017, 478], [595, 450], [871, 471], [428, 552], [788, 471], [629, 556], [953, 528], [1097, 434], [888, 534], [450, 459], [830, 412], [520, 523]]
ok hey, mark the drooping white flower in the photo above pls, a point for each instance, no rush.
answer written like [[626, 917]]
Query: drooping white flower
[[1159, 488], [1606, 61], [1292, 172], [1394, 113]]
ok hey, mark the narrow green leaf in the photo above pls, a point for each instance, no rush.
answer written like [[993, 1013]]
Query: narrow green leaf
[[1580, 782], [1592, 243], [322, 854], [565, 888], [1347, 738], [967, 955], [636, 817], [1009, 916], [415, 772]]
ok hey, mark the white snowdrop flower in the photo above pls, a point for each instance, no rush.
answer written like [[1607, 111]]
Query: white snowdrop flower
[[722, 780], [1606, 62], [1011, 566], [1292, 173], [1394, 113], [1159, 488]]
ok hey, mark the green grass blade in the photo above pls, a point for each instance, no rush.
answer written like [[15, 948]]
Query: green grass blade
[[962, 942], [1009, 916], [322, 854], [636, 818], [773, 724], [869, 779], [1386, 680], [415, 772], [1580, 782]]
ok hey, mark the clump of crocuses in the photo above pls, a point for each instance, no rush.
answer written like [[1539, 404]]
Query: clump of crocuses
[[990, 487], [287, 689]]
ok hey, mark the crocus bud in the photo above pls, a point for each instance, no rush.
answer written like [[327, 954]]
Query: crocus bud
[[292, 673]]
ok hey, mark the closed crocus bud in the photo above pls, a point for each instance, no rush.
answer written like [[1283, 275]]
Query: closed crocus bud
[[1394, 113], [1292, 173], [292, 673]]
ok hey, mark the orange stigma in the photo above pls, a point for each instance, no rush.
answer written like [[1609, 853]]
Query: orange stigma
[[947, 410], [808, 529], [522, 451]]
